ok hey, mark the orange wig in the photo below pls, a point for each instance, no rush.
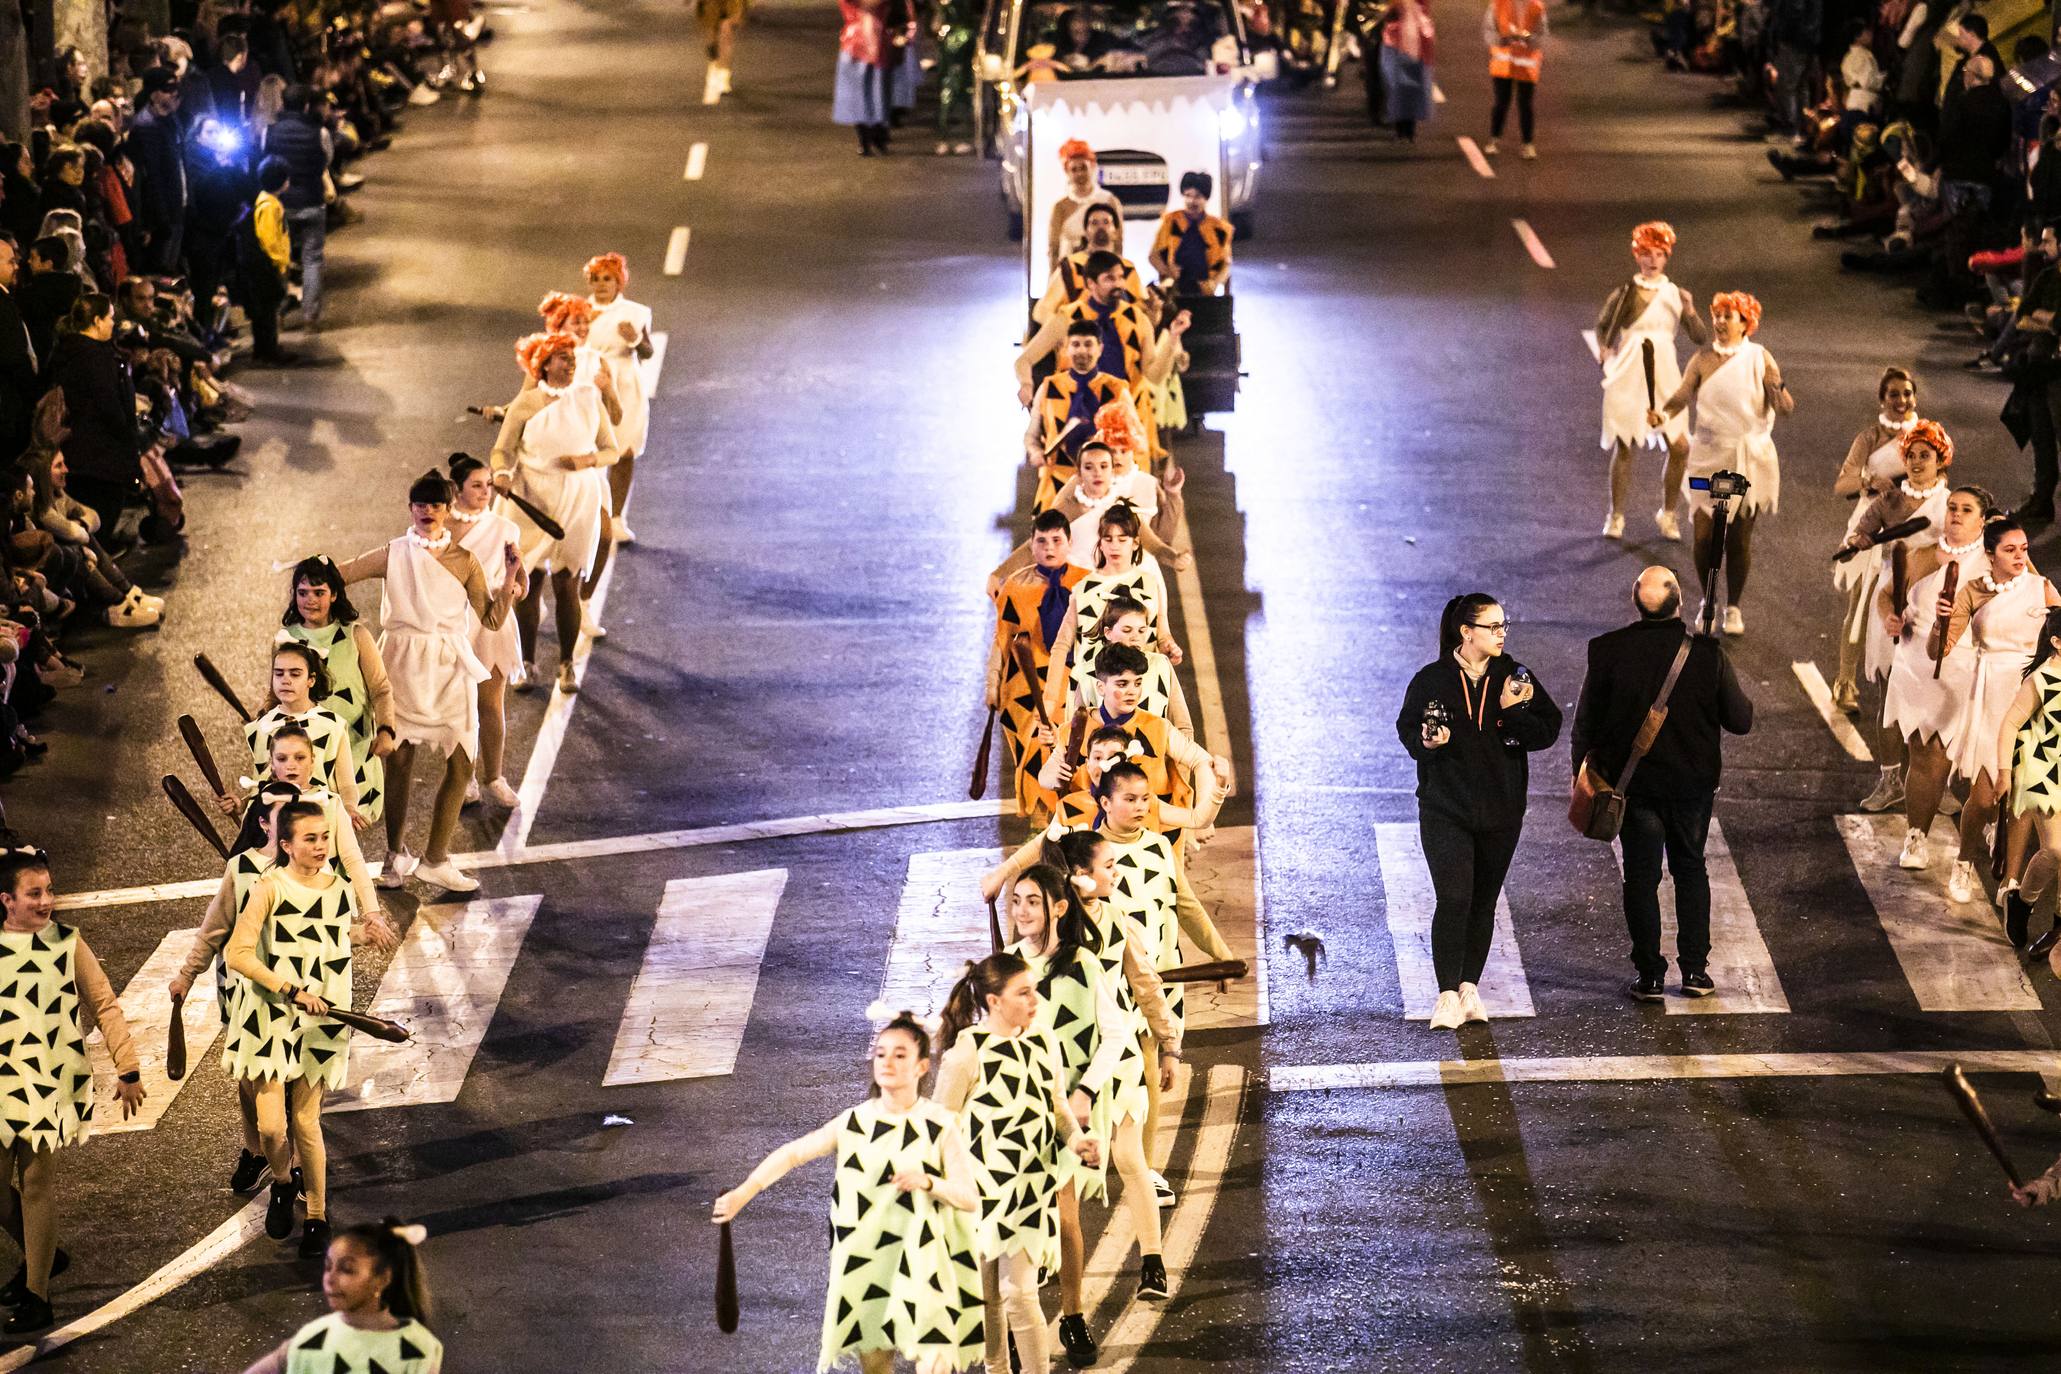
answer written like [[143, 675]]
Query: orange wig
[[1073, 148], [1654, 236], [560, 309], [615, 264], [1934, 436], [534, 350], [1740, 303], [1117, 425]]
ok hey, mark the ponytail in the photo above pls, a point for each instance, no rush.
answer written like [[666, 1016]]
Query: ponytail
[[968, 1000], [392, 1247], [1461, 610]]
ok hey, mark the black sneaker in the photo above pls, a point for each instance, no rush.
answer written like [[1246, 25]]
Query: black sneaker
[[30, 1314], [279, 1212], [300, 1189], [1152, 1279], [2038, 948], [314, 1238], [249, 1169], [1076, 1342], [17, 1287], [1643, 989], [2017, 918], [1697, 985]]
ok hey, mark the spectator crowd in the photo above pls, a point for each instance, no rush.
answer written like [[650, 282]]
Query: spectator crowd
[[160, 223]]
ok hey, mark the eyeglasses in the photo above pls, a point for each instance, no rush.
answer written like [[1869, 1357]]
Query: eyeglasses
[[1498, 628]]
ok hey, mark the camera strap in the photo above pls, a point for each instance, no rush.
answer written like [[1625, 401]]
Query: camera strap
[[1656, 714]]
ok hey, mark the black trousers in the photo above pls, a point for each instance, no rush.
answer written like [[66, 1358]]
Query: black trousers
[[1678, 829], [1467, 870], [1501, 111]]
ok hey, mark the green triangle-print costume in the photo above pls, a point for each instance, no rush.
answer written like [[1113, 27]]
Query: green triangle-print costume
[[244, 871], [1092, 595], [350, 703], [46, 1082], [1015, 1141], [902, 1272], [1144, 895], [1066, 1007], [331, 739], [333, 1346], [1106, 934], [307, 940], [2036, 770]]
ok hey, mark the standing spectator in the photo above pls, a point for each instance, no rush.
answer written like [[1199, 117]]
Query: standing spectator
[[1862, 77], [299, 140], [1408, 41], [860, 96], [21, 203], [100, 407], [232, 84], [1669, 796], [158, 146], [17, 359], [1794, 29], [47, 296], [263, 257], [1514, 31]]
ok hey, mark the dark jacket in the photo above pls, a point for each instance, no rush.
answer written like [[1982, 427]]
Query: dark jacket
[[159, 149], [1974, 133], [17, 376], [45, 298], [1626, 668], [100, 409], [1475, 778], [296, 140]]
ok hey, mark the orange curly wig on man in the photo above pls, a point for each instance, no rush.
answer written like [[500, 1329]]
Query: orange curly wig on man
[[534, 350]]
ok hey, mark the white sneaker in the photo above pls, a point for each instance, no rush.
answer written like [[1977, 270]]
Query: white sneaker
[[1530, 153], [1490, 149], [1669, 527], [1471, 1007], [1917, 851], [589, 626], [1961, 886], [501, 794], [1161, 1189], [1735, 622], [394, 874], [447, 876], [1888, 793], [1446, 1014], [619, 530], [423, 95], [1613, 528], [528, 681], [724, 79], [133, 614]]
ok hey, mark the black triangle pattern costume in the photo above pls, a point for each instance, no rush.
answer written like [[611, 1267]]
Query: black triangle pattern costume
[[306, 940], [333, 1346], [46, 1081], [1015, 1142], [350, 702]]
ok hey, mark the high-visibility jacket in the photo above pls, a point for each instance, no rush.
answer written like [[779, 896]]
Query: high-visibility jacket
[[1517, 60]]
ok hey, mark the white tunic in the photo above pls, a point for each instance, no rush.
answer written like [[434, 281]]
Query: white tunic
[[1884, 466], [485, 536], [2005, 630], [1875, 661], [1917, 705], [576, 499], [1733, 431], [1625, 400], [426, 639], [1141, 489], [605, 338]]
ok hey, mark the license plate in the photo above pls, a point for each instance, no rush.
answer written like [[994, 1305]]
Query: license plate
[[1133, 176]]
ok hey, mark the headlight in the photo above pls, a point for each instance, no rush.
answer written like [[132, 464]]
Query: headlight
[[1231, 123]]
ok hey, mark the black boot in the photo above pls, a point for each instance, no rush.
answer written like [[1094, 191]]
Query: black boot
[[1075, 1341], [30, 1314], [17, 1287], [1152, 1279], [315, 1238], [2017, 915], [249, 1169], [279, 1211]]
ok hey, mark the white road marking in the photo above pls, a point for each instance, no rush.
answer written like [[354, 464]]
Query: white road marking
[[1480, 164], [940, 927], [692, 998], [1202, 651], [1532, 243], [1739, 961], [712, 86], [1835, 719], [570, 851], [225, 1240], [1633, 1068], [1406, 880], [443, 985], [147, 1008], [697, 162], [1438, 95], [1955, 956], [676, 251]]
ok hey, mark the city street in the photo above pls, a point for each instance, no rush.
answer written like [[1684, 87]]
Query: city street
[[778, 730]]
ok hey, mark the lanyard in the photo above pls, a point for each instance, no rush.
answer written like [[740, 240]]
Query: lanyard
[[1475, 713]]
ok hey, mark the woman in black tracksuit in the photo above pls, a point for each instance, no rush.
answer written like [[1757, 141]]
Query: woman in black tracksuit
[[1468, 719]]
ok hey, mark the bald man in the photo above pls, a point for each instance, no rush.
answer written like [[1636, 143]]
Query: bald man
[[1672, 788]]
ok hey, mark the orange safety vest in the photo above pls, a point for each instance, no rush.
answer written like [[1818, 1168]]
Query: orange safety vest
[[1518, 61]]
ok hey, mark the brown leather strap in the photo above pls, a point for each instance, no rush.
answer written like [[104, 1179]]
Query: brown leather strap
[[1656, 714]]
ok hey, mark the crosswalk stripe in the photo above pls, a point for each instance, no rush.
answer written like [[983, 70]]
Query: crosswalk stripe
[[689, 1006], [1739, 961], [1406, 878], [443, 984], [1647, 1068], [147, 1008], [1225, 876], [940, 927], [1820, 694], [1955, 957]]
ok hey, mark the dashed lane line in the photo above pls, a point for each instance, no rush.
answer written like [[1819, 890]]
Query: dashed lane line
[[1835, 719], [1533, 244], [676, 251], [1480, 164], [697, 162]]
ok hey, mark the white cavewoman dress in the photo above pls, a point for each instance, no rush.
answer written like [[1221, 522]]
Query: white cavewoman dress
[[1733, 430], [1624, 371]]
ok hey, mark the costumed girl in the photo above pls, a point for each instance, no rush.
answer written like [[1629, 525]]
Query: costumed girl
[[298, 681], [291, 953], [553, 435], [1000, 1073], [1647, 310], [1736, 391], [1089, 495], [1156, 499], [56, 993], [320, 615], [484, 532], [1923, 699], [902, 1274], [2001, 612], [434, 590], [621, 335], [1926, 453], [378, 1301], [1874, 464], [574, 315], [2029, 747]]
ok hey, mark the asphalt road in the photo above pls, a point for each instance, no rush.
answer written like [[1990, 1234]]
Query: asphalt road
[[800, 631]]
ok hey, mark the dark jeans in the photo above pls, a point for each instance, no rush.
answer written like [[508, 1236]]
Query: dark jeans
[[1678, 828], [1467, 871], [1501, 110], [2046, 442]]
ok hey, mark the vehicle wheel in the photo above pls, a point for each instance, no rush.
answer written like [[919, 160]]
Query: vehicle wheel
[[1246, 224]]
